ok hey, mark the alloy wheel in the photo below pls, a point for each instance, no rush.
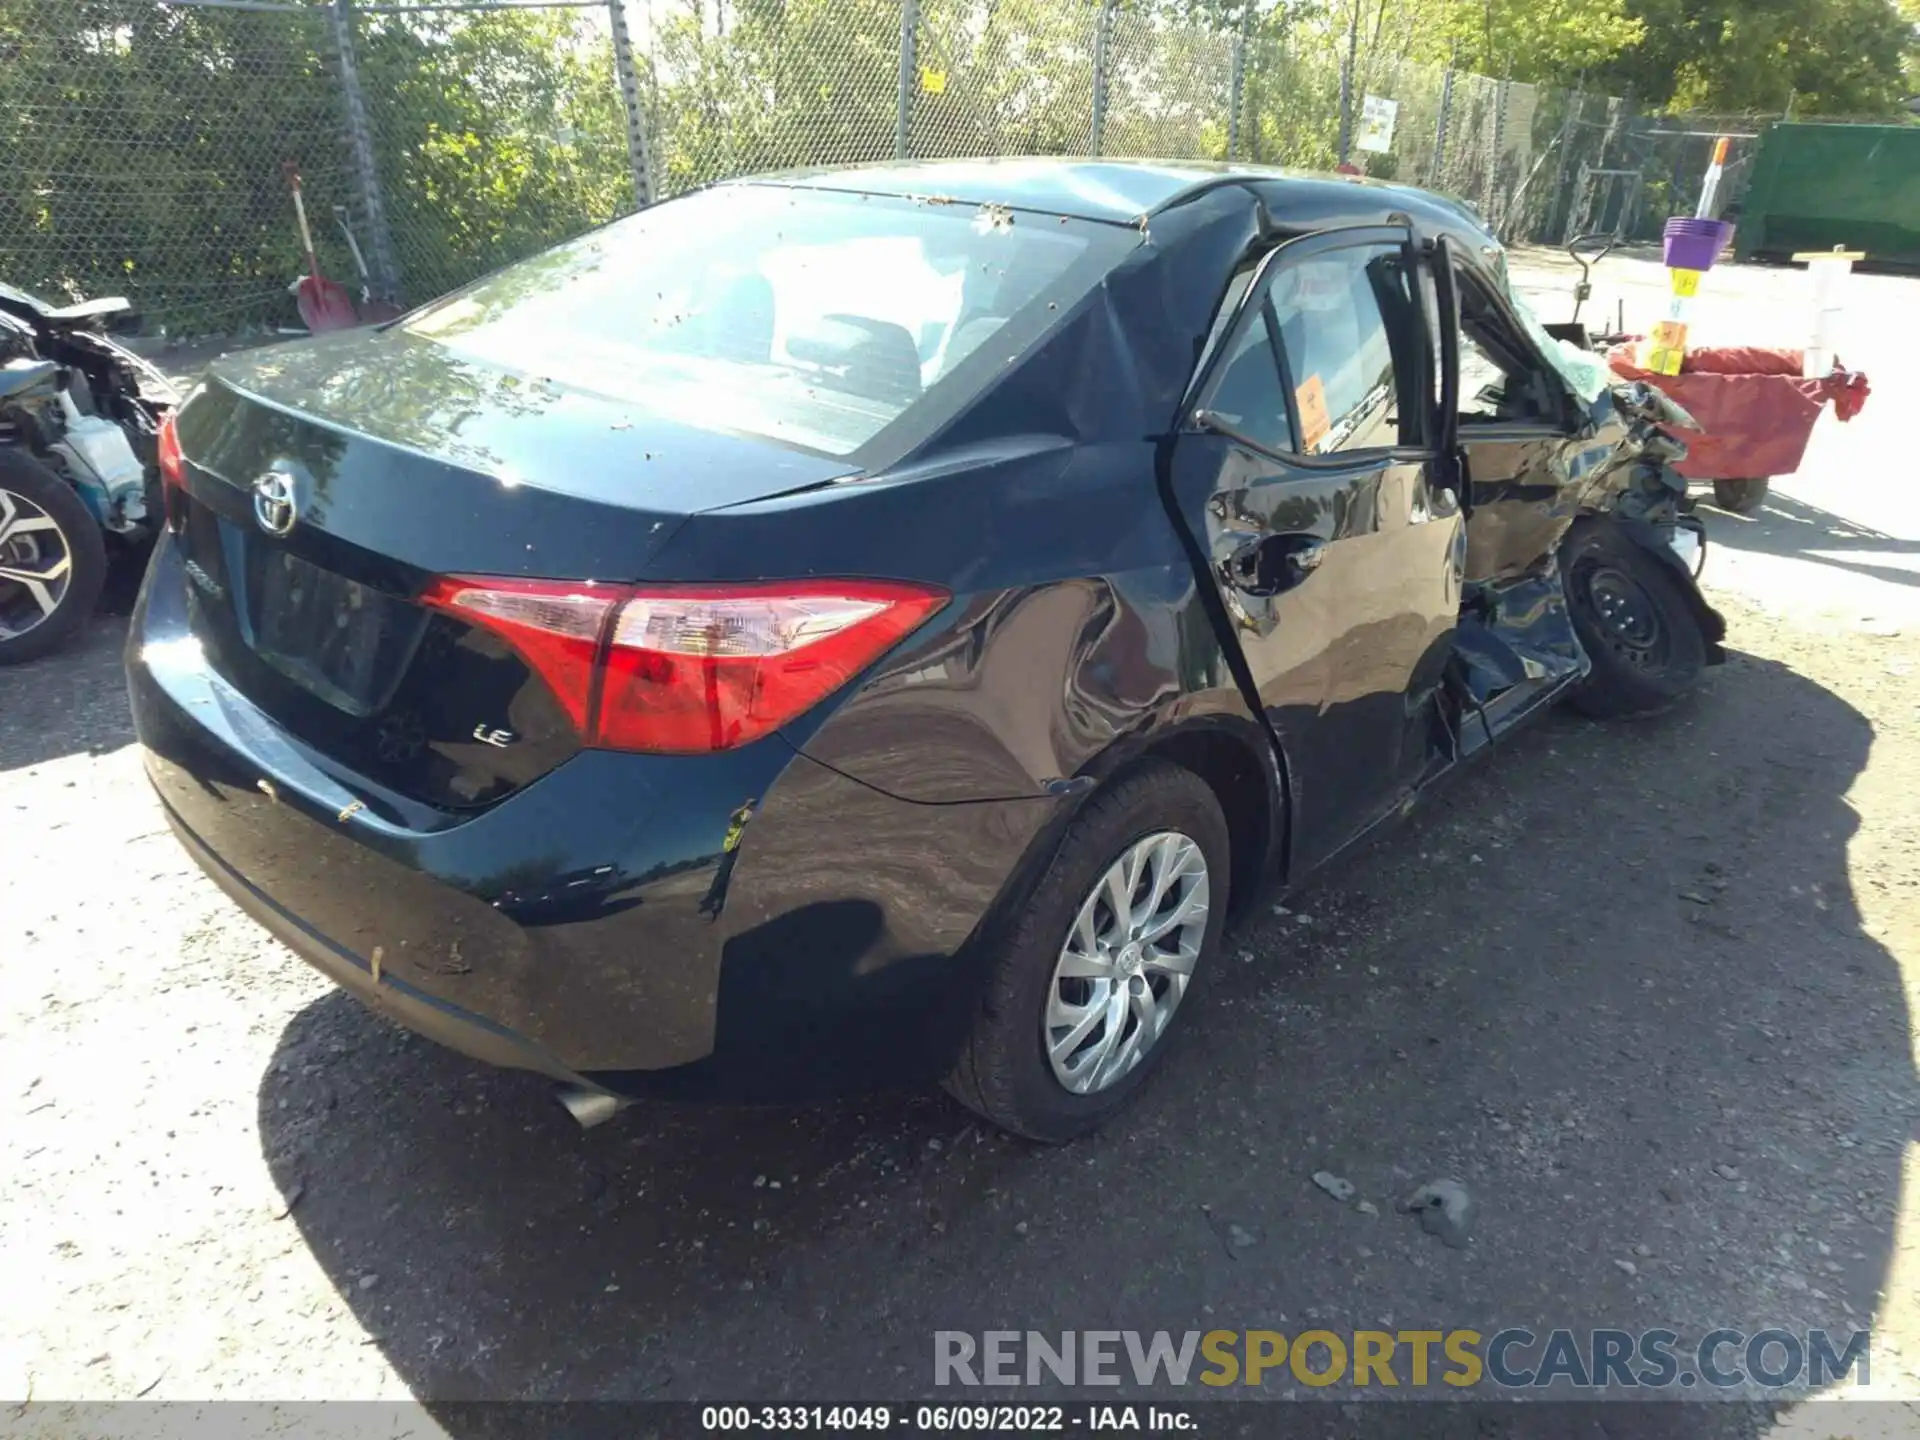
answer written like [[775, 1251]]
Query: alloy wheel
[[1126, 962], [36, 565]]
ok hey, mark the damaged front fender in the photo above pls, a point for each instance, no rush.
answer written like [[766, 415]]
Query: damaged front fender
[[1526, 491], [1516, 645]]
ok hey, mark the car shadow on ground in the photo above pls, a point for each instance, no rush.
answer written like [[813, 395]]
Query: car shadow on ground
[[1612, 978], [72, 702], [1791, 528]]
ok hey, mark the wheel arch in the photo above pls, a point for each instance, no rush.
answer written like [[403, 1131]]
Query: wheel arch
[[1236, 761], [1251, 790]]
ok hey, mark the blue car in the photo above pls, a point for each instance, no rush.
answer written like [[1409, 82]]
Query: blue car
[[875, 626]]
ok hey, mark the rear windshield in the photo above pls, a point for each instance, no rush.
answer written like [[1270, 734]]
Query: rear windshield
[[811, 317]]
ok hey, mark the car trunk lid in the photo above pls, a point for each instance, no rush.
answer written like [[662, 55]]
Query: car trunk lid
[[331, 482]]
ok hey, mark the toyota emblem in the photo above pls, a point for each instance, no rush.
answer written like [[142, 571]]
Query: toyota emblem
[[273, 502]]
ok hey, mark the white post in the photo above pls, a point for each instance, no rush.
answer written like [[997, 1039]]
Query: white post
[[1827, 272], [1710, 186]]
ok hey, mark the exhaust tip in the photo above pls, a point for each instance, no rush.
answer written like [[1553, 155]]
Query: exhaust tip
[[589, 1107]]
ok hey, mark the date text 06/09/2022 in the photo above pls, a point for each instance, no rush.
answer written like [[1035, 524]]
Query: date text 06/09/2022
[[939, 1419]]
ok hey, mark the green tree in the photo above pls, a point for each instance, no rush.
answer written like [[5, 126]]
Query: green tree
[[143, 147], [1828, 57], [769, 85], [144, 143], [496, 134]]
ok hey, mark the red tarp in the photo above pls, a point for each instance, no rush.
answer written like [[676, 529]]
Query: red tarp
[[1754, 407]]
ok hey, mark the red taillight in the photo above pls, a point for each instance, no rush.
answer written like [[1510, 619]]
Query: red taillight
[[686, 669], [690, 669], [555, 628], [173, 465]]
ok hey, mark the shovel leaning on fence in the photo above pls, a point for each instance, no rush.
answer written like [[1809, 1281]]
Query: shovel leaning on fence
[[324, 304]]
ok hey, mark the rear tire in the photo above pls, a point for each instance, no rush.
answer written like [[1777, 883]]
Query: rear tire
[[53, 559], [1635, 623], [1740, 497], [1168, 817]]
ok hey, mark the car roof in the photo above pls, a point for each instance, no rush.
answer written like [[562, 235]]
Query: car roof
[[1121, 191]]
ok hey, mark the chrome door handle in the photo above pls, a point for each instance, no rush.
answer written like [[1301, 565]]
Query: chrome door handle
[[1274, 563], [1306, 555]]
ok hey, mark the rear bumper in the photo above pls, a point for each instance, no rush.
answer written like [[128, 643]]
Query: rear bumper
[[593, 926], [406, 1004]]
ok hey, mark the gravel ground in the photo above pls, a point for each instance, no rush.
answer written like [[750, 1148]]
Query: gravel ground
[[1646, 989]]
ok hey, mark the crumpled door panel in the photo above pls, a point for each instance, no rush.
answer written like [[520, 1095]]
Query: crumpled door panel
[[1527, 491], [1515, 646]]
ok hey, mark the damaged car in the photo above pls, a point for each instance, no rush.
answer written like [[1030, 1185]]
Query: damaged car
[[80, 417], [877, 625]]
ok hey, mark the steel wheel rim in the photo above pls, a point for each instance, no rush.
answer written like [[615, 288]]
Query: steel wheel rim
[[36, 565], [1126, 962], [1627, 616]]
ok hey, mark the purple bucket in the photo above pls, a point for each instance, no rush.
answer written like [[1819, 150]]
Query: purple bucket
[[1695, 244]]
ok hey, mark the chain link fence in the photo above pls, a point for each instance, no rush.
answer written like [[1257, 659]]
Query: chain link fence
[[143, 147], [145, 138], [990, 79], [145, 144], [494, 133], [1165, 89]]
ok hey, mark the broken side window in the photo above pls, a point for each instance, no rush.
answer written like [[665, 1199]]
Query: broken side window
[[1501, 381]]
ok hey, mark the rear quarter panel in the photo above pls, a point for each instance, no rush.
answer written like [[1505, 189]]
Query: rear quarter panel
[[1075, 624]]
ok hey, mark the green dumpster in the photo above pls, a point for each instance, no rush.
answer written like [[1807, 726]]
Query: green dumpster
[[1818, 186]]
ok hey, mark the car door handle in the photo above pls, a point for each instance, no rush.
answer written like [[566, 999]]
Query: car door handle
[[1275, 563], [1304, 553], [1436, 504]]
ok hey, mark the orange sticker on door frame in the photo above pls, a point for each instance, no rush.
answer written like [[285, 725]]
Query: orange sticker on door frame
[[1311, 398]]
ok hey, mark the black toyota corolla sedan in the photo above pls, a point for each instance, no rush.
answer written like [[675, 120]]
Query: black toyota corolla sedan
[[872, 625]]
